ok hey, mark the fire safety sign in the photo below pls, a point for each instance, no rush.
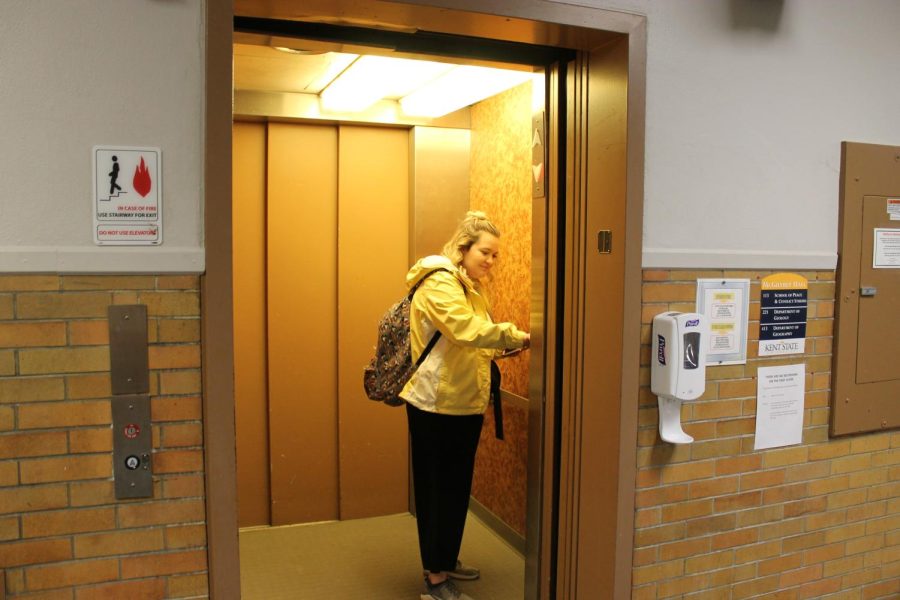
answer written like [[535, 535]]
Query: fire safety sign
[[127, 196]]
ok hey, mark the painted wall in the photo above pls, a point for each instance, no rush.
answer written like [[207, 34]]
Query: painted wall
[[78, 74], [747, 104]]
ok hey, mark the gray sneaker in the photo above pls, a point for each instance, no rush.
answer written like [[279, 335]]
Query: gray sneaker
[[464, 572], [461, 571], [446, 590]]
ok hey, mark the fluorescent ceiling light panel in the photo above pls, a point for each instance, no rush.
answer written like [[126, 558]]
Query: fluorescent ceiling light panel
[[335, 64], [371, 78], [537, 92], [462, 86]]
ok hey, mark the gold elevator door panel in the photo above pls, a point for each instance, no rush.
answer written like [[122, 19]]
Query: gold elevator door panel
[[324, 245], [302, 312], [373, 257]]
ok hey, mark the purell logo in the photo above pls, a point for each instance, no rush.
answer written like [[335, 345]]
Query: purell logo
[[692, 323], [661, 349]]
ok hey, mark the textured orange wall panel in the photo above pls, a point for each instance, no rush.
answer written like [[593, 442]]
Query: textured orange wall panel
[[501, 187]]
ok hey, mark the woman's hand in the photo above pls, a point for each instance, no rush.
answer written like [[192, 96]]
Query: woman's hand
[[513, 351]]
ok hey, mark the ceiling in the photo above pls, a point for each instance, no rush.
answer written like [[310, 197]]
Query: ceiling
[[267, 68], [263, 68]]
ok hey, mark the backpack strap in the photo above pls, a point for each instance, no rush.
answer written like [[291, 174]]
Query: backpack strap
[[431, 343]]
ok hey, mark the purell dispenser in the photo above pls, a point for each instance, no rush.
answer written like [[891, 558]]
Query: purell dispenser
[[678, 369]]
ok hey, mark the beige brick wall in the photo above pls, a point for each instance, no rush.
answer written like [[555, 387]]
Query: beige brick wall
[[62, 532], [716, 519]]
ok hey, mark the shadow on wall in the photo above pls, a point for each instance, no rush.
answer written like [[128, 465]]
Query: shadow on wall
[[759, 15]]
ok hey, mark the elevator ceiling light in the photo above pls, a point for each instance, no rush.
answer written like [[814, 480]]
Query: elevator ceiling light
[[462, 86], [334, 64], [371, 78], [537, 92]]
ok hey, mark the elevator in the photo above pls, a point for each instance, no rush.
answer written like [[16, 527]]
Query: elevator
[[581, 397]]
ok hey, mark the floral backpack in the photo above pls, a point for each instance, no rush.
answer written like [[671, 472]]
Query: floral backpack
[[392, 365]]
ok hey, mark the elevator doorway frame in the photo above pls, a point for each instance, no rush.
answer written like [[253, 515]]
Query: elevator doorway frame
[[586, 490]]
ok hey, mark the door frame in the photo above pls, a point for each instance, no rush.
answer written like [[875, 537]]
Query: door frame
[[582, 518]]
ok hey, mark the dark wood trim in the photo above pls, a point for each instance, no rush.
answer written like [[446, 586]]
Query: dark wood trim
[[568, 430], [216, 311], [631, 326]]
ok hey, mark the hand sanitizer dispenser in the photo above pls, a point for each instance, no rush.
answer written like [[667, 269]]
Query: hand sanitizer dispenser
[[678, 370]]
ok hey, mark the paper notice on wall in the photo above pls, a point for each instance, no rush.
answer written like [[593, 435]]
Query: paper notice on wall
[[893, 208], [724, 302], [779, 406], [723, 309], [887, 249]]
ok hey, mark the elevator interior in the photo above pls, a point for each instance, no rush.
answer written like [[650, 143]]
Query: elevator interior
[[329, 212]]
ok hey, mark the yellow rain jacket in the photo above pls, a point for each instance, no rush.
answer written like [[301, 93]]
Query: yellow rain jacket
[[455, 378]]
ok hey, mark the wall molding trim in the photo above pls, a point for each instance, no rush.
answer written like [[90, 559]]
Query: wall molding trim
[[83, 259], [692, 258]]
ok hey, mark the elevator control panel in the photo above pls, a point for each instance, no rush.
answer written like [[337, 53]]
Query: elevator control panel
[[130, 401], [132, 445]]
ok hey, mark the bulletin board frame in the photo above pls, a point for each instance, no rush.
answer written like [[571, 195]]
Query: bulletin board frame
[[733, 319]]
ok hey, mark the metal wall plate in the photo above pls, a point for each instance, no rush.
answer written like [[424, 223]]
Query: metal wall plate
[[132, 445], [128, 354], [604, 241]]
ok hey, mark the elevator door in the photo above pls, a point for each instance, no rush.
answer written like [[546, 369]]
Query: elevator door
[[335, 247]]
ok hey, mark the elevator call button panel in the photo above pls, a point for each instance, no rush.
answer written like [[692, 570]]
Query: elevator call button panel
[[132, 442], [130, 386]]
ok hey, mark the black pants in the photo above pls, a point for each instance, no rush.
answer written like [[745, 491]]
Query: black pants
[[443, 460]]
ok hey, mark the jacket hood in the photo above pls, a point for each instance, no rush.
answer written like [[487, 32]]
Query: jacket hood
[[428, 265]]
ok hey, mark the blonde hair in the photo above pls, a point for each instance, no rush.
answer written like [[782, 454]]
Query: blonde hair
[[467, 233]]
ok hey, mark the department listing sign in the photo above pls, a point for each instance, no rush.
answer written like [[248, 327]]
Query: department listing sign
[[127, 196], [782, 318]]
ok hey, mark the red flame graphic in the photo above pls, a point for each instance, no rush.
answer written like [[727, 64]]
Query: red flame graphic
[[141, 181]]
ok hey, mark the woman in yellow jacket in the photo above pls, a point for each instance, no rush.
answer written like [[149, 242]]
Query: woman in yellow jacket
[[449, 392]]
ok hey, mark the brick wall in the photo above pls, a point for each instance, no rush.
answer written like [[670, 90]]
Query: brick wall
[[63, 535], [716, 519]]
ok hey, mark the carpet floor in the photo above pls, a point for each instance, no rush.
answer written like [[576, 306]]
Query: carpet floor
[[366, 559]]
